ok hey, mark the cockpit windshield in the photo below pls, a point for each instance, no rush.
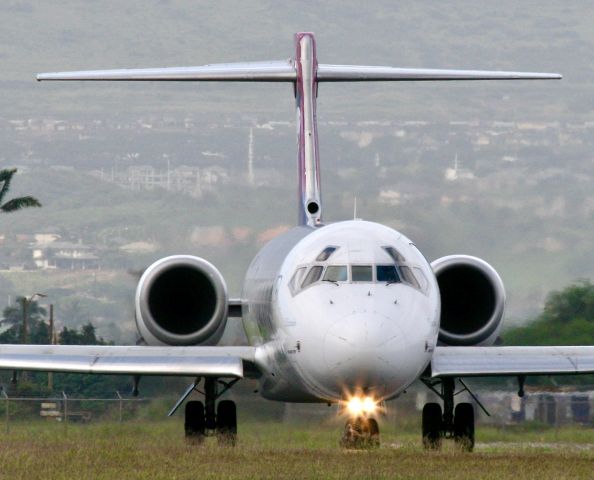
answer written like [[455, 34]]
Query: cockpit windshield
[[325, 254], [399, 271], [409, 277], [314, 274], [387, 273], [336, 273], [395, 254], [361, 273], [295, 282]]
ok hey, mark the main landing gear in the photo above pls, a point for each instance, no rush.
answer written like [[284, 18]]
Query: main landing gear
[[210, 417], [360, 432], [456, 423]]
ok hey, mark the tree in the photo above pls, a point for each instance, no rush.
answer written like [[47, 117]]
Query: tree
[[13, 319], [13, 315], [39, 328], [73, 312], [85, 336], [16, 203], [74, 384], [567, 319], [575, 301]]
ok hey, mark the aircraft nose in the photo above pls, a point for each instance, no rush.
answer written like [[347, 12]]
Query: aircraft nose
[[363, 347]]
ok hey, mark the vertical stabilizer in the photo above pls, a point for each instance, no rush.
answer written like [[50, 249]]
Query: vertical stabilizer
[[306, 65]]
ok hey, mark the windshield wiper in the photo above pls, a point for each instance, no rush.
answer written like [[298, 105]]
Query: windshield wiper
[[331, 281]]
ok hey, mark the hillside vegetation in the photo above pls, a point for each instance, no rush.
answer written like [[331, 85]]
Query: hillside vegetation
[[526, 208], [567, 319]]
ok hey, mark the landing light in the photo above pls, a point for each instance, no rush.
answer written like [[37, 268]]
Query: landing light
[[358, 406]]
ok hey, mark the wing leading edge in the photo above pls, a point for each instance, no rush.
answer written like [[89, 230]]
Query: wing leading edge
[[511, 361], [130, 360]]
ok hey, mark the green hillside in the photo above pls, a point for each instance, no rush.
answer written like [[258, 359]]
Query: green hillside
[[527, 207], [567, 319]]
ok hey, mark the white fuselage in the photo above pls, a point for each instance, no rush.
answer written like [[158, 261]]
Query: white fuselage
[[352, 307]]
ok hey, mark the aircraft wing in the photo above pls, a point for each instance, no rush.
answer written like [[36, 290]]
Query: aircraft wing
[[131, 360], [511, 361]]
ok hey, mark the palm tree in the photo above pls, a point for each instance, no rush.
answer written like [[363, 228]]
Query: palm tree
[[16, 203]]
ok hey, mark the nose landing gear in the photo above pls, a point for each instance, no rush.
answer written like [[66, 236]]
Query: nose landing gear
[[360, 432]]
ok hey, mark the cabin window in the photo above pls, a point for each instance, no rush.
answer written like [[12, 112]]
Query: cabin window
[[325, 254], [387, 274], [313, 275], [336, 273], [361, 273]]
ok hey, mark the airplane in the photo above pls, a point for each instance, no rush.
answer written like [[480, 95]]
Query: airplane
[[348, 313]]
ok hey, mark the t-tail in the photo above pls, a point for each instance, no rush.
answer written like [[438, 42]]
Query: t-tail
[[304, 72]]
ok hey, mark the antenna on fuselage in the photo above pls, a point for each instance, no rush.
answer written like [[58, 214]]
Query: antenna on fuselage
[[355, 209], [304, 72]]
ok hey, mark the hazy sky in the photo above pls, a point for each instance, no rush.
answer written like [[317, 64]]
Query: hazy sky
[[65, 35]]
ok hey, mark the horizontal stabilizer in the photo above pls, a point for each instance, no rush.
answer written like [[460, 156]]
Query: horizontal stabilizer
[[129, 360], [355, 73], [275, 71], [284, 71]]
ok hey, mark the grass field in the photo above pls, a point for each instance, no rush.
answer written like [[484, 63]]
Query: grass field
[[274, 450]]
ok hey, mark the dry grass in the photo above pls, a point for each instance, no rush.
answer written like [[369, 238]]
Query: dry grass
[[272, 450]]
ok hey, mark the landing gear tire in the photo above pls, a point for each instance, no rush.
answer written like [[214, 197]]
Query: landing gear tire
[[361, 433], [464, 427], [374, 434], [352, 433], [432, 426], [195, 422], [227, 423]]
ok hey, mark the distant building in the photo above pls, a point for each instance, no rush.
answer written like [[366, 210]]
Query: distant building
[[65, 256], [45, 238]]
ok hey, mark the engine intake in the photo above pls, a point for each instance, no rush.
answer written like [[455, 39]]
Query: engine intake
[[181, 300], [472, 300]]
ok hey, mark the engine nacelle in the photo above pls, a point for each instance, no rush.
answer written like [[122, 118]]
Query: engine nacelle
[[181, 300], [472, 300]]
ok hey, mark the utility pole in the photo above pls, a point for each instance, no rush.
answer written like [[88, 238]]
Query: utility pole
[[52, 339], [25, 320]]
